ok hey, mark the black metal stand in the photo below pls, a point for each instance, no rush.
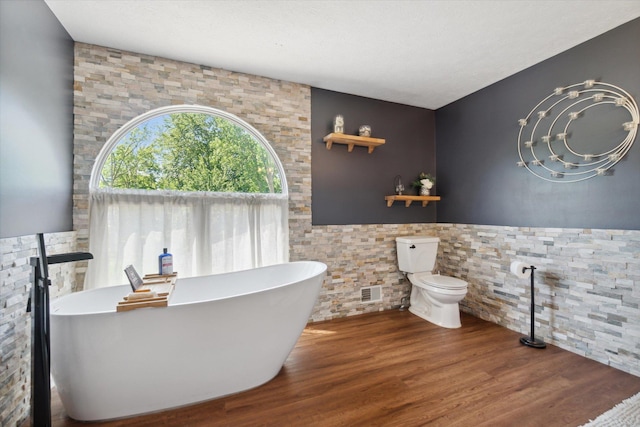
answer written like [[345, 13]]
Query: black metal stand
[[38, 305], [531, 340]]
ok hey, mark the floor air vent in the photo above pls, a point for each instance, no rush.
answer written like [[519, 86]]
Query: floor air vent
[[371, 294]]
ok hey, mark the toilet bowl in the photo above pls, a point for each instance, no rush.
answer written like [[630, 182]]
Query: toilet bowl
[[434, 297]]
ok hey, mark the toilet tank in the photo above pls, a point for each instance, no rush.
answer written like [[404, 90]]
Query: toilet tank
[[417, 254]]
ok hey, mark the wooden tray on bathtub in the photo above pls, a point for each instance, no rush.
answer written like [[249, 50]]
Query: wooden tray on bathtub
[[163, 287]]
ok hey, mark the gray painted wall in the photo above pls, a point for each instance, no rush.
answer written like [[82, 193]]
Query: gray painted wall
[[349, 188], [36, 124], [476, 140]]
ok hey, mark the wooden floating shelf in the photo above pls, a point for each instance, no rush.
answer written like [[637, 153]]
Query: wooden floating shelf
[[352, 140], [409, 199]]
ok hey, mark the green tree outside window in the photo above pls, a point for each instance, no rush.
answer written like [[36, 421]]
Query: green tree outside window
[[191, 152]]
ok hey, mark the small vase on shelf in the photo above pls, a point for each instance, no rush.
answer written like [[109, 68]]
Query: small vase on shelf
[[424, 184]]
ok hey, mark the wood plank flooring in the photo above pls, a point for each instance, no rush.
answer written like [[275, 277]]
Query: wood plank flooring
[[395, 369]]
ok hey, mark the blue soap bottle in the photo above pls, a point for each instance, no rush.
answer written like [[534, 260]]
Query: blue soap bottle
[[165, 263]]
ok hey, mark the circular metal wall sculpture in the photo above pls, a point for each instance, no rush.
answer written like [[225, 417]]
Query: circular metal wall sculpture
[[549, 149]]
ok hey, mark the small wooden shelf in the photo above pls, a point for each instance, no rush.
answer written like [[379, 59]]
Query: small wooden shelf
[[351, 140], [409, 199]]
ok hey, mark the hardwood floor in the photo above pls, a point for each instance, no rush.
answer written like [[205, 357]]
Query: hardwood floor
[[395, 369]]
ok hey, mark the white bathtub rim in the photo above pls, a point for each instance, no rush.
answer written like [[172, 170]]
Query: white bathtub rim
[[126, 289]]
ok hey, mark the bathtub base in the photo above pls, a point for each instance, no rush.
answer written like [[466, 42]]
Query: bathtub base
[[103, 411]]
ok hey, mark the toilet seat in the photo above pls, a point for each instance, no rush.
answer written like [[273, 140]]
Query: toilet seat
[[440, 282]]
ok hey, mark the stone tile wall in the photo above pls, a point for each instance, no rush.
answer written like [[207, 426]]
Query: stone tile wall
[[587, 285], [15, 322], [358, 256], [587, 281], [111, 87]]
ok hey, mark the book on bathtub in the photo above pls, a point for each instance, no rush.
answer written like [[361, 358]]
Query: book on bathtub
[[134, 277]]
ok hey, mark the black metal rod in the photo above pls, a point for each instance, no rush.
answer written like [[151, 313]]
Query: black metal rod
[[40, 366], [531, 340], [69, 257], [40, 337], [533, 305]]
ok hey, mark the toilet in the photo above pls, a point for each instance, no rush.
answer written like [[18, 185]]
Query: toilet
[[433, 297]]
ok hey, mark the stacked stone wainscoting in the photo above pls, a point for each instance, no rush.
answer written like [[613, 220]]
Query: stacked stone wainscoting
[[112, 87], [587, 285], [358, 256], [15, 322]]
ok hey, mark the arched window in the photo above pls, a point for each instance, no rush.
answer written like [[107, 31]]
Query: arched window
[[199, 181]]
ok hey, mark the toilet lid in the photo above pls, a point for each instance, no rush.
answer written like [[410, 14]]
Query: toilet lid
[[444, 282]]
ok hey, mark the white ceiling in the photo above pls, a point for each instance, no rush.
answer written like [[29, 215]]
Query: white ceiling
[[425, 53]]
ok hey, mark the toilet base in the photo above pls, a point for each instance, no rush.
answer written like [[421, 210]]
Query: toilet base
[[446, 316]]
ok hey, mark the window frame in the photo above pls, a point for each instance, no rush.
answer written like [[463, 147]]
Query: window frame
[[112, 142]]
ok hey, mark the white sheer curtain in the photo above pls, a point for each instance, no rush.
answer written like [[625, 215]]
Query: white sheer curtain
[[206, 232]]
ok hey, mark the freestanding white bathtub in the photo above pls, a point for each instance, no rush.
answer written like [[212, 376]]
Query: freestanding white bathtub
[[220, 334]]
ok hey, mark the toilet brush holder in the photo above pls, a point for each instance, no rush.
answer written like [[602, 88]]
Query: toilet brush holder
[[531, 340]]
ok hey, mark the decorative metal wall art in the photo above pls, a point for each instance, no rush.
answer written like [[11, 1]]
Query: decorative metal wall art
[[549, 149]]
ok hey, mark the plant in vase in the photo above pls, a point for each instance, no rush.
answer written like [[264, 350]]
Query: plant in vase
[[424, 184]]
